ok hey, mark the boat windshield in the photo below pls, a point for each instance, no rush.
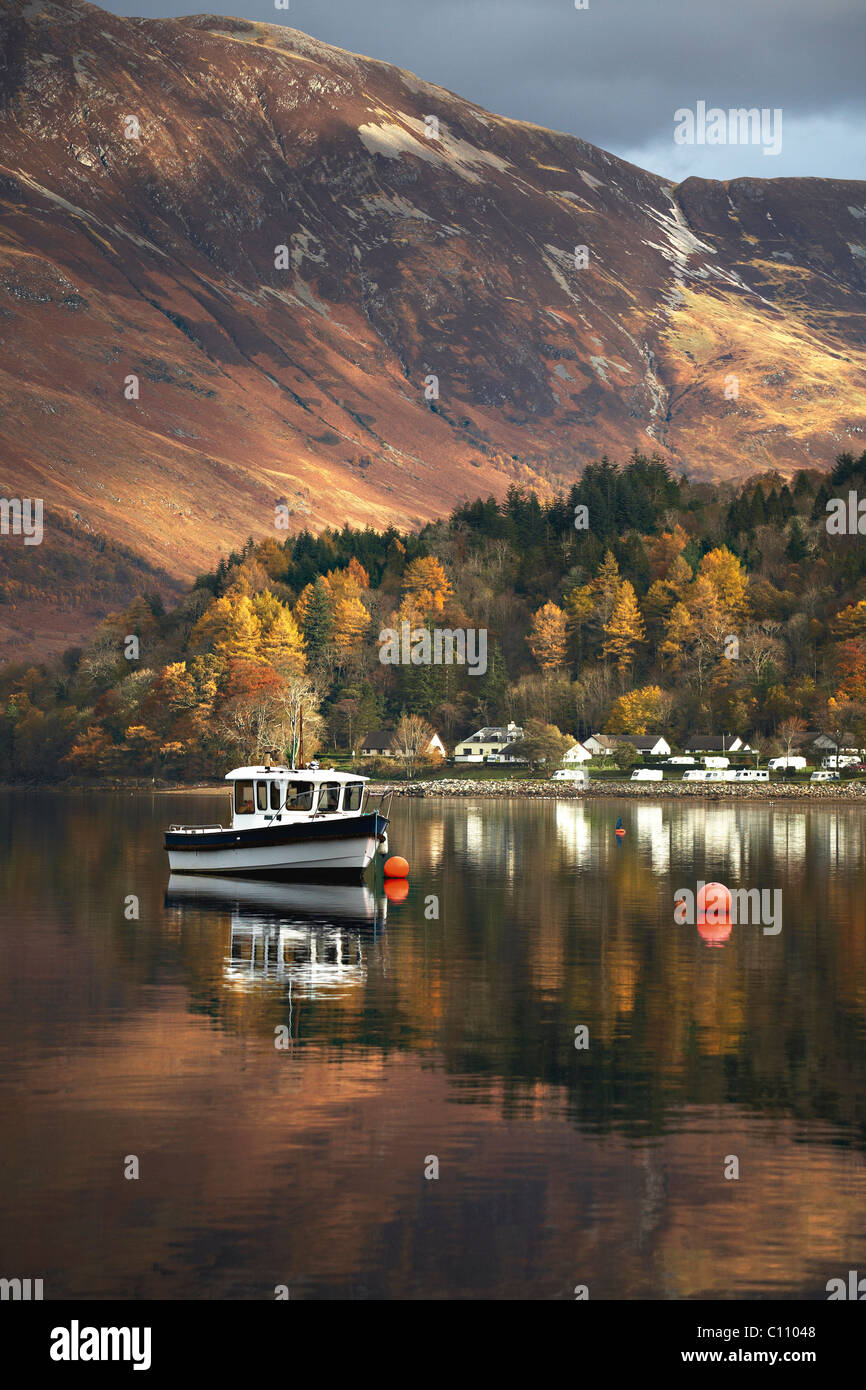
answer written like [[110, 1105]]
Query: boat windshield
[[329, 796], [299, 796], [353, 797], [244, 802]]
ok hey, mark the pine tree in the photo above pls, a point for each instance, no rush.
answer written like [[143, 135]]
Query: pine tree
[[318, 622], [796, 549]]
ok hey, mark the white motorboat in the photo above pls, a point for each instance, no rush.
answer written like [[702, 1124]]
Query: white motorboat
[[286, 821]]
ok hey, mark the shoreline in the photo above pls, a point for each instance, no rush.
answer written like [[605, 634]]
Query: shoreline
[[536, 790]]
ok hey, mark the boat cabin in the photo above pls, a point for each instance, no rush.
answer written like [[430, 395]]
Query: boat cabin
[[263, 795]]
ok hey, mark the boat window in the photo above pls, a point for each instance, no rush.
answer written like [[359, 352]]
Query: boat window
[[354, 793], [276, 800], [244, 805], [262, 795], [329, 796], [299, 796]]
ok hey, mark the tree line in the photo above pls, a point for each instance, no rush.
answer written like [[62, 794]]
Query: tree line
[[636, 602]]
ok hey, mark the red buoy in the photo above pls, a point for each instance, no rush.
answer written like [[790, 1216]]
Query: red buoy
[[396, 867], [714, 905], [396, 889], [715, 935]]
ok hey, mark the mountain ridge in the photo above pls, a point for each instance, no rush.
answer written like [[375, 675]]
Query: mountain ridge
[[407, 258]]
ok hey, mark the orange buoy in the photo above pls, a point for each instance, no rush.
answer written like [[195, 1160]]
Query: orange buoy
[[619, 832], [713, 905], [715, 935], [396, 867], [396, 889]]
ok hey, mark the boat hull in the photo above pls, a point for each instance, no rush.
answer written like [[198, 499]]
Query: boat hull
[[344, 846]]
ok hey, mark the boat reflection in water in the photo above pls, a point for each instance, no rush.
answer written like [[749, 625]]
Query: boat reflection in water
[[310, 937]]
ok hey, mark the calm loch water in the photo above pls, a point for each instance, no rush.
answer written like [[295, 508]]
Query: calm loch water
[[404, 1037]]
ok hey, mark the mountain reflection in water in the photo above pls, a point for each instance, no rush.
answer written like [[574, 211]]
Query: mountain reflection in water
[[448, 1031]]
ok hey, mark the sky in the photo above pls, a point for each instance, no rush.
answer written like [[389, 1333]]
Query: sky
[[617, 72]]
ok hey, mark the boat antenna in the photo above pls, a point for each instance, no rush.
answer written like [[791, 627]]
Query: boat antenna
[[301, 749]]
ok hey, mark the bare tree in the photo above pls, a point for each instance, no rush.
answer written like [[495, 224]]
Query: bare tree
[[411, 741], [760, 646], [298, 705], [788, 731]]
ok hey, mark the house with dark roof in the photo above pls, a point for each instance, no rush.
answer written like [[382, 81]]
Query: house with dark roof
[[717, 743], [605, 745], [489, 742], [381, 744]]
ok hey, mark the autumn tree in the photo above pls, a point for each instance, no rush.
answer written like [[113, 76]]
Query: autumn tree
[[728, 577], [351, 623], [851, 672], [250, 712], [664, 549], [548, 636], [544, 744], [281, 643], [92, 753], [624, 630], [426, 584], [578, 605], [230, 629], [641, 711]]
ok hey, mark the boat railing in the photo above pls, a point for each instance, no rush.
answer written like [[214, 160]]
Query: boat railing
[[384, 802], [196, 829]]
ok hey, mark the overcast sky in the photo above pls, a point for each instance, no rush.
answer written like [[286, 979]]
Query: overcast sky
[[616, 72]]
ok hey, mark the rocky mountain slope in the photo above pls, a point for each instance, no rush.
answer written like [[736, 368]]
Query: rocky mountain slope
[[300, 378]]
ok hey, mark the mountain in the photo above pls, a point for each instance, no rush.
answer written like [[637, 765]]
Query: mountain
[[410, 252]]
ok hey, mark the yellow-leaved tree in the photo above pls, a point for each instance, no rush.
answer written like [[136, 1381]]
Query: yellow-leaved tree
[[548, 636], [641, 711], [281, 643], [624, 630], [426, 585], [230, 629], [729, 580]]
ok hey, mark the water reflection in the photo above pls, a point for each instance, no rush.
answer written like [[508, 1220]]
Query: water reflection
[[307, 937], [450, 1032]]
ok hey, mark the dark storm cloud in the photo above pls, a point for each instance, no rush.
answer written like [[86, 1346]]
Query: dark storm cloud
[[616, 72]]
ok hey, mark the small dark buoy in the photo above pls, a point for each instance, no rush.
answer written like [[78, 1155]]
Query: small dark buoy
[[620, 828]]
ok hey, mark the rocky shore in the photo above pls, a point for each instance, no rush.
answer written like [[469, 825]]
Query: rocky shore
[[464, 787], [648, 791]]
